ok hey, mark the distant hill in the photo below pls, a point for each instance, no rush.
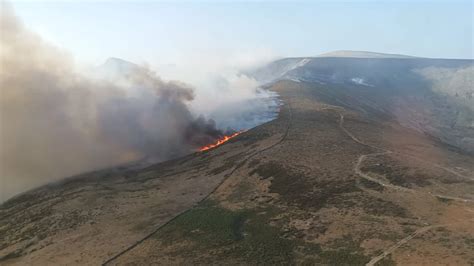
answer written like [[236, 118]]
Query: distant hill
[[362, 54], [115, 68]]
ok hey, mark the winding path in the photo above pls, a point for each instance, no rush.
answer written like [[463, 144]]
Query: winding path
[[361, 159], [360, 173], [376, 180]]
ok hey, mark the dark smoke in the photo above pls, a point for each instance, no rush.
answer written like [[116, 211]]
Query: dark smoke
[[153, 117], [57, 122]]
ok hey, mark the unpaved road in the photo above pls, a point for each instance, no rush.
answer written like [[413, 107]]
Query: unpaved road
[[361, 159], [358, 171]]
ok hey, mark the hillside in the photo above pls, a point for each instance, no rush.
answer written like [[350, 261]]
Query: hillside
[[337, 178]]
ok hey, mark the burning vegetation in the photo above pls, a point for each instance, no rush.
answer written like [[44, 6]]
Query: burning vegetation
[[219, 141]]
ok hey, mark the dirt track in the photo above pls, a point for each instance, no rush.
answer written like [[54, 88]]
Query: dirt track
[[358, 171]]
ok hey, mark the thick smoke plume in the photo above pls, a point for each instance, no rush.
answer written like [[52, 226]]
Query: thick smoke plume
[[56, 122]]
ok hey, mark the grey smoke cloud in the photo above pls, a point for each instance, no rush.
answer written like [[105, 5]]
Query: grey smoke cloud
[[56, 122]]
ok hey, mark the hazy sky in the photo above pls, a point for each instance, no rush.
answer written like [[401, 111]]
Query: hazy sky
[[160, 32]]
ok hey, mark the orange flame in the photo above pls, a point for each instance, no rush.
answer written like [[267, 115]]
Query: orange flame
[[219, 142]]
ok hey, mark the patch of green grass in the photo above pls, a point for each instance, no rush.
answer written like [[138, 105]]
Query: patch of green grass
[[209, 234], [263, 243], [207, 224], [240, 234]]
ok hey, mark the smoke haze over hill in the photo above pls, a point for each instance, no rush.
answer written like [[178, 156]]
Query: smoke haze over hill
[[57, 121]]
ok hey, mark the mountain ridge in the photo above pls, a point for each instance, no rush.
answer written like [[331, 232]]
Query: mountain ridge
[[363, 54]]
